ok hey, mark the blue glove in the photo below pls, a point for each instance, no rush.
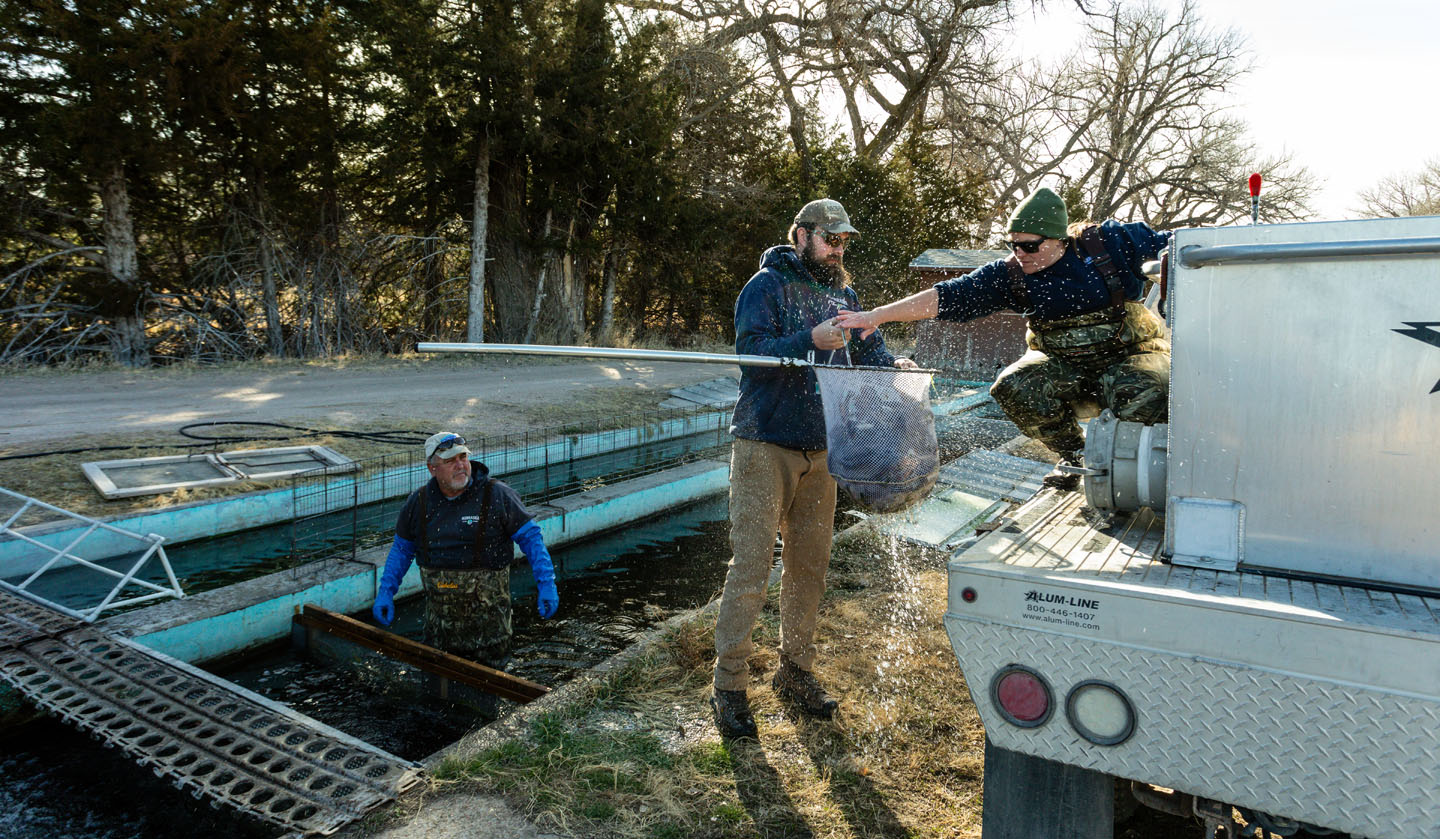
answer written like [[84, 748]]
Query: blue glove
[[548, 600], [402, 553], [529, 539], [384, 609]]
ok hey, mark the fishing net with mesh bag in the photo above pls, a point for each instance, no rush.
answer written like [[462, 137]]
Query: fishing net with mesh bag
[[882, 445]]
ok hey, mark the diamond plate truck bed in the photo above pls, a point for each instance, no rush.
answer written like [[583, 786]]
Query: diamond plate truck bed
[[1308, 700]]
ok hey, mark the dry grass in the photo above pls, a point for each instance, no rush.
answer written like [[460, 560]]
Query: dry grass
[[639, 757]]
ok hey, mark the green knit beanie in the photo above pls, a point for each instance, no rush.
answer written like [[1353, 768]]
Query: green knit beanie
[[1042, 213]]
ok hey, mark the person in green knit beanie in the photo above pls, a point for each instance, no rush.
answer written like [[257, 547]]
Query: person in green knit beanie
[[1089, 337], [1042, 213]]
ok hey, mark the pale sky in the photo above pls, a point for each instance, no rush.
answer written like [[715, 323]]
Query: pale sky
[[1348, 88]]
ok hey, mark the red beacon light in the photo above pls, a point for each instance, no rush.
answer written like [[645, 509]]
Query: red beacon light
[[1255, 198]]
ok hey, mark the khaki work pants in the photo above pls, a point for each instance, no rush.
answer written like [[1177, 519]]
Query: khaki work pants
[[772, 489]]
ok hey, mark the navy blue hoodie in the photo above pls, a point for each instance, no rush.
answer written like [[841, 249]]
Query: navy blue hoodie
[[774, 314], [1072, 286]]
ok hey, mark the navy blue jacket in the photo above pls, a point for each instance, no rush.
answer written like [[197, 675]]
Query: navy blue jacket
[[450, 523], [1069, 287], [774, 314]]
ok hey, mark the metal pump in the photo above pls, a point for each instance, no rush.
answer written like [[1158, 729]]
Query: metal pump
[[1125, 464]]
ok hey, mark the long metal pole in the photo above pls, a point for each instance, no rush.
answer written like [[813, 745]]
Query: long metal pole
[[644, 355], [616, 352]]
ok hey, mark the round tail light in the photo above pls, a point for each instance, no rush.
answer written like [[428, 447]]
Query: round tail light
[[1022, 696], [1100, 713]]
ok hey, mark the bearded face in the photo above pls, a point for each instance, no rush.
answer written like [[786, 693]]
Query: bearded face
[[824, 262]]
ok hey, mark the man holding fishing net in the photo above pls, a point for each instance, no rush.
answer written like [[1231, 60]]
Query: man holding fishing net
[[779, 481]]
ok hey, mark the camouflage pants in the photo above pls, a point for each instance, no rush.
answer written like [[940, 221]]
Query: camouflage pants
[[467, 613], [1039, 391]]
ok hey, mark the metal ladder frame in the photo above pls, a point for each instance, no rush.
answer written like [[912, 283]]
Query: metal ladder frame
[[153, 541]]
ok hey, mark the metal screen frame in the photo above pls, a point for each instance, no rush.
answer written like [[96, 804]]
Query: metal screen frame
[[230, 468], [95, 472]]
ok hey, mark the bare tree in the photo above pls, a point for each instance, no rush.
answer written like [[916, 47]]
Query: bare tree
[[911, 47], [1132, 125], [1012, 132], [479, 231], [1408, 194], [127, 333], [886, 59]]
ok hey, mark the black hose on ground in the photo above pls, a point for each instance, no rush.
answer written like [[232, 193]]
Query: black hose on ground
[[395, 437]]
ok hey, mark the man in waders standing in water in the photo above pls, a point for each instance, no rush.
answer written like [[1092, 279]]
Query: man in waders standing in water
[[1089, 337], [461, 525]]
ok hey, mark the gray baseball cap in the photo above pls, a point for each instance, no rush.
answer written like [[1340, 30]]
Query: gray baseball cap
[[453, 445], [828, 214]]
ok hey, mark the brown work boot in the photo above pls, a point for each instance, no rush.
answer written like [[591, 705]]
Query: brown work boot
[[799, 688], [1059, 478], [732, 714]]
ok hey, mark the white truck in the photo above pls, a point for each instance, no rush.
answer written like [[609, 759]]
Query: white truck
[[1240, 612]]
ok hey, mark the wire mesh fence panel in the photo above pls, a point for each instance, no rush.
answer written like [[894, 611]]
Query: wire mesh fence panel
[[881, 434], [341, 513]]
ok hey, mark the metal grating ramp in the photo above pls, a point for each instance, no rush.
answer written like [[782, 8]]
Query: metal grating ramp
[[716, 393], [970, 490], [22, 621], [214, 739], [995, 475]]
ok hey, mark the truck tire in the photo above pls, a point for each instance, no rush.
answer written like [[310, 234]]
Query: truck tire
[[1126, 804]]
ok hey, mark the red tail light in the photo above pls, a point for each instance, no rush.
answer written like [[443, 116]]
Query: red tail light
[[1022, 696]]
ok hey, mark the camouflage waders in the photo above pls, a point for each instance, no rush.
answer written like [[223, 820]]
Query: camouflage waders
[[467, 613], [1120, 359]]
